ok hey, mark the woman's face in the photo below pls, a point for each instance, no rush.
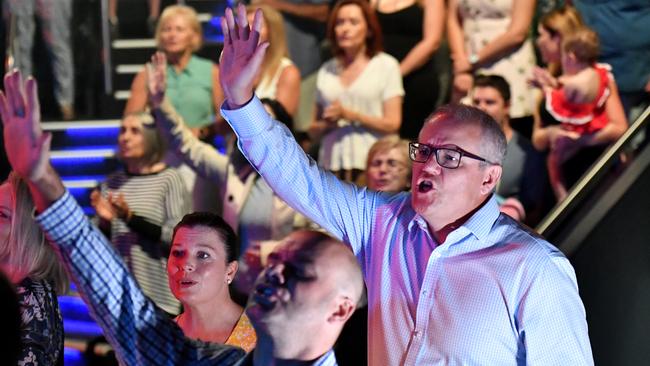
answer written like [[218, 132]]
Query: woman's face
[[351, 28], [549, 45], [197, 268], [264, 32], [6, 211], [176, 35], [388, 171], [130, 141]]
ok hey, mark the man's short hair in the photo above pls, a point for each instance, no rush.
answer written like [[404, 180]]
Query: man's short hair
[[216, 223], [494, 143], [494, 81]]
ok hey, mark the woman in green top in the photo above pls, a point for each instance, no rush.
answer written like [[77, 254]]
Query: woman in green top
[[192, 82]]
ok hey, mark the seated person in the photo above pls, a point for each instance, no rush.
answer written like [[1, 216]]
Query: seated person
[[201, 265], [523, 184]]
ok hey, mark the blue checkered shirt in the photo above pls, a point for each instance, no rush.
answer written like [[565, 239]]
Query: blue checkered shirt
[[492, 294], [140, 333]]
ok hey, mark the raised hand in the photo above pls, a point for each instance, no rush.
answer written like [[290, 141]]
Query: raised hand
[[241, 57], [157, 79], [26, 145]]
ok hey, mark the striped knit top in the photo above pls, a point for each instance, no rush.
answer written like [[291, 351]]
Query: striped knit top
[[160, 199]]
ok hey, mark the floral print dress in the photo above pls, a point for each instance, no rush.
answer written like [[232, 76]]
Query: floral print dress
[[41, 324]]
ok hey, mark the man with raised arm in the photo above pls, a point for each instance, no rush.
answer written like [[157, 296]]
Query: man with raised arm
[[450, 280], [308, 290]]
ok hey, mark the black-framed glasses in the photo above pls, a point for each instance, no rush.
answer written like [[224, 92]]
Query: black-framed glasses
[[446, 157]]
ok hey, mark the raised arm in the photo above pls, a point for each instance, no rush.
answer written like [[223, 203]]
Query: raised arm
[[342, 209], [139, 332], [201, 157], [138, 100]]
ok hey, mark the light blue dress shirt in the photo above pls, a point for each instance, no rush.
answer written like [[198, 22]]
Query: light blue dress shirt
[[492, 294]]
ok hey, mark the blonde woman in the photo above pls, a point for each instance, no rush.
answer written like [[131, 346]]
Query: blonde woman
[[279, 78], [34, 269], [192, 81]]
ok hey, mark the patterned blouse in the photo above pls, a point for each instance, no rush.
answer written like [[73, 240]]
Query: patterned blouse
[[41, 324], [242, 336]]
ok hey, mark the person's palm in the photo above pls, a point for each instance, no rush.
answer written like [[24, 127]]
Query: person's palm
[[157, 79], [241, 57], [26, 145]]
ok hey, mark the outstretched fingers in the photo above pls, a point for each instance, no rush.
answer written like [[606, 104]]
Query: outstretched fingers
[[242, 23], [33, 105]]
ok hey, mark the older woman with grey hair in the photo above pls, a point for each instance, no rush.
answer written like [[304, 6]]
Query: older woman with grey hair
[[137, 207]]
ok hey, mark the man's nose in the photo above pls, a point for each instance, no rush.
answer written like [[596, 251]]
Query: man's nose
[[275, 274]]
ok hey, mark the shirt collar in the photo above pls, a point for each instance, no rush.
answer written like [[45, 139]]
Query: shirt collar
[[186, 70], [479, 225]]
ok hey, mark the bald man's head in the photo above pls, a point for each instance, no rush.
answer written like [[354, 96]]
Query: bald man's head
[[308, 290]]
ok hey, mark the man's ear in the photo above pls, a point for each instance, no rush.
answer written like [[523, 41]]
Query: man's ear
[[491, 178], [344, 309]]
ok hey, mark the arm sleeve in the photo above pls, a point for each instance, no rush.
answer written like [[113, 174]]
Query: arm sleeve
[[140, 333], [177, 204], [394, 86], [145, 228], [550, 336], [342, 209], [201, 157]]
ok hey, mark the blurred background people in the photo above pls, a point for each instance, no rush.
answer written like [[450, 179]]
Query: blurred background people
[[359, 91], [152, 19], [247, 203], [412, 32], [279, 78], [192, 81], [389, 168], [573, 152], [192, 87], [201, 266], [34, 269], [625, 45], [54, 17], [493, 37], [524, 176], [138, 207]]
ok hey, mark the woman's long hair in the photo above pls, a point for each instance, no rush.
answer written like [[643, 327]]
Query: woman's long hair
[[26, 252]]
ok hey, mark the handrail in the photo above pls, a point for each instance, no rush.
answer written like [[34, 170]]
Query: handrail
[[589, 181]]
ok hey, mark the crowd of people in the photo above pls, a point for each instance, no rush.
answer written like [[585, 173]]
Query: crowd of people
[[423, 204]]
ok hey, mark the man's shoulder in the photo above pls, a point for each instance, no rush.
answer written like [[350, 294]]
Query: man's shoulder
[[519, 237]]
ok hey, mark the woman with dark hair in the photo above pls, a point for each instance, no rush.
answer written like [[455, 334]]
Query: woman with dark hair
[[201, 266], [34, 269], [359, 91], [138, 207]]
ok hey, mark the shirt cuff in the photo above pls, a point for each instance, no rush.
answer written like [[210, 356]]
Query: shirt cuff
[[249, 120]]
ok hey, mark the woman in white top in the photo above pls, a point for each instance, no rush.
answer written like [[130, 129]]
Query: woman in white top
[[359, 91], [279, 78]]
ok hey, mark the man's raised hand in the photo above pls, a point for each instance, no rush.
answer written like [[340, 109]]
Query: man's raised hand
[[26, 145], [241, 57]]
